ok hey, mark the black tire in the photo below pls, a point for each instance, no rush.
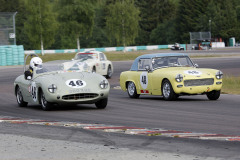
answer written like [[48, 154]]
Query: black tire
[[167, 91], [46, 106], [102, 103], [213, 95], [94, 69], [131, 89], [109, 72], [20, 101]]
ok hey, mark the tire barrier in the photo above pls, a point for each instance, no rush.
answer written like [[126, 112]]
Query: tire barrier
[[11, 55]]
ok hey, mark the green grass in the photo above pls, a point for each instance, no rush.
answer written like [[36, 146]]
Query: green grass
[[231, 85]]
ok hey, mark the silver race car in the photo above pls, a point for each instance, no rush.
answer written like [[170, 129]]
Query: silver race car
[[48, 85], [90, 61]]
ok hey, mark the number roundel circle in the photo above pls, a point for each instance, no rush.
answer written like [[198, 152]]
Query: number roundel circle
[[75, 83]]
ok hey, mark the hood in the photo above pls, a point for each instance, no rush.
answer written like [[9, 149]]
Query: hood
[[63, 79], [189, 72]]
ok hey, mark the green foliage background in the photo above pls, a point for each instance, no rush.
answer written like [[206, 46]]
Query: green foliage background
[[106, 23]]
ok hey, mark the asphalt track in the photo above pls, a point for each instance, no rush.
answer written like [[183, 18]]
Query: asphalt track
[[188, 113]]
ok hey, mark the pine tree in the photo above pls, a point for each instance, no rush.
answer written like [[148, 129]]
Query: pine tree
[[153, 13]]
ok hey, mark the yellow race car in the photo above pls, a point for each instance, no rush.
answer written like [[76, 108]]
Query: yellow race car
[[170, 75]]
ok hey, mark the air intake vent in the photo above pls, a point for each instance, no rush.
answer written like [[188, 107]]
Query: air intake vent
[[199, 82], [79, 96]]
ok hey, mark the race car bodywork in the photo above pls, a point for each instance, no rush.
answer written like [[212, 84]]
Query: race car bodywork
[[170, 75], [52, 86], [177, 46], [90, 61]]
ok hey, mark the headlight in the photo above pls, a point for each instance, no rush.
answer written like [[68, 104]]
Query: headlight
[[219, 75], [179, 78], [52, 88], [103, 84]]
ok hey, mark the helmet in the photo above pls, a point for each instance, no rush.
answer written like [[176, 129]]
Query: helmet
[[36, 62]]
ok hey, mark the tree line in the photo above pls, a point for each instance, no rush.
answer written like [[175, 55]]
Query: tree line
[[65, 24]]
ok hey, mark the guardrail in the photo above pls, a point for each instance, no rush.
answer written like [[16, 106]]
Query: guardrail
[[107, 49]]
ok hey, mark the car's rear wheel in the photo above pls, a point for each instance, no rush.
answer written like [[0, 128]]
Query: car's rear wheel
[[102, 103], [131, 89], [46, 106], [109, 72], [167, 91], [213, 95], [19, 97]]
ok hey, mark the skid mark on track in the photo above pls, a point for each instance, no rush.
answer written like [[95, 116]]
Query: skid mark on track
[[123, 129]]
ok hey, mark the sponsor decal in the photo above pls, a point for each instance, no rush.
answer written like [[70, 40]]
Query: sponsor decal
[[193, 72], [81, 90], [75, 83], [144, 80]]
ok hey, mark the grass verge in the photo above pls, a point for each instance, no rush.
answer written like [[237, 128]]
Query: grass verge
[[231, 85]]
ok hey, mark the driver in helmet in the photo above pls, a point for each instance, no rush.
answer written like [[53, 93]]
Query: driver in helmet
[[35, 63]]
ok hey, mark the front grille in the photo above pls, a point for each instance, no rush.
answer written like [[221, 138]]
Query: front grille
[[79, 96], [199, 82]]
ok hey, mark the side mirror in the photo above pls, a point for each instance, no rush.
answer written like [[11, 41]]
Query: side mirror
[[147, 68], [196, 65], [28, 75]]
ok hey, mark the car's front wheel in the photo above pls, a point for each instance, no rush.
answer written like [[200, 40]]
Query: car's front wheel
[[94, 69], [213, 95], [167, 91], [102, 103], [45, 104], [131, 89], [19, 97], [109, 72]]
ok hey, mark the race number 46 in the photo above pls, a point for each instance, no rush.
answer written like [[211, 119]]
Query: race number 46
[[75, 83]]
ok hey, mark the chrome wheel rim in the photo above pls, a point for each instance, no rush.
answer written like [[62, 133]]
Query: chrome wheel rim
[[19, 96], [131, 88], [166, 90], [43, 101], [109, 72]]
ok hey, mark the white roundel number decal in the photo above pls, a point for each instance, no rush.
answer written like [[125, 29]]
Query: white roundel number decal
[[144, 80], [33, 91], [75, 83], [193, 72]]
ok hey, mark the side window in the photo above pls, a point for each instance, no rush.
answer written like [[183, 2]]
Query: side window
[[102, 58], [142, 63]]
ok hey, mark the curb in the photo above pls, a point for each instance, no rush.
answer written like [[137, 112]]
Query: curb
[[123, 129]]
